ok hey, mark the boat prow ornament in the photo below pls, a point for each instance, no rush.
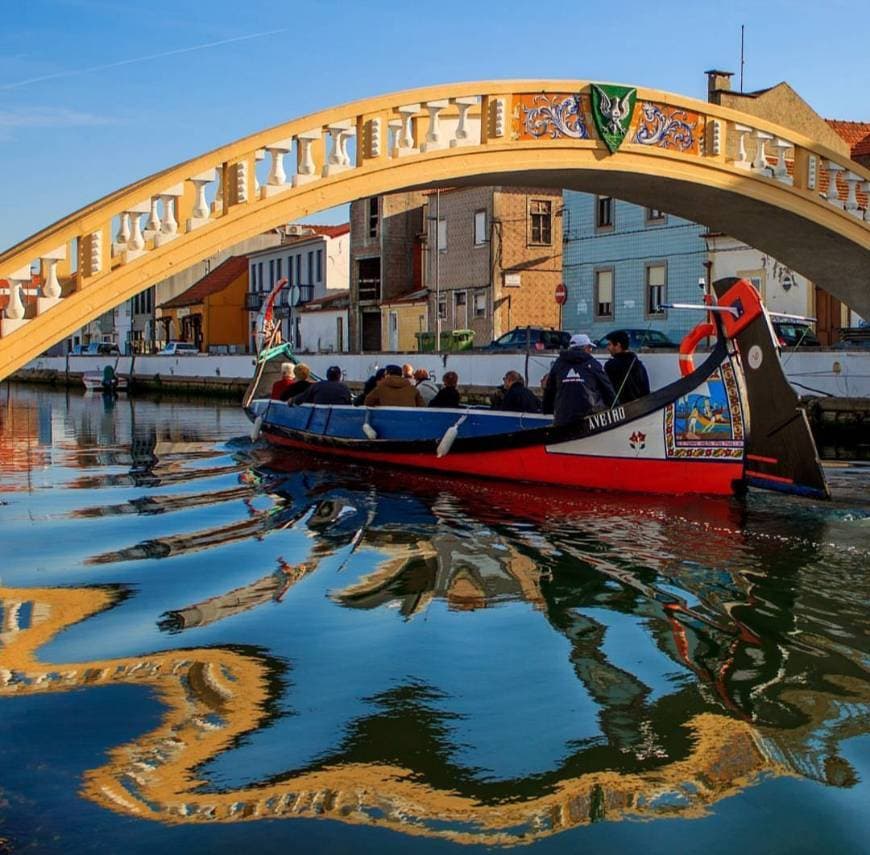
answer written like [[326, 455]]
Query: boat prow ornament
[[730, 422]]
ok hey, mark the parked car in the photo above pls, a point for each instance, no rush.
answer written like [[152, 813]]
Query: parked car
[[179, 348], [531, 338], [641, 338], [792, 334], [100, 348]]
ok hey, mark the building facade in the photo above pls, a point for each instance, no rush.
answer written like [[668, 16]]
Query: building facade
[[315, 260]]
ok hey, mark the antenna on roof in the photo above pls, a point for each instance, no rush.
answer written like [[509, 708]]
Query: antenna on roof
[[742, 28]]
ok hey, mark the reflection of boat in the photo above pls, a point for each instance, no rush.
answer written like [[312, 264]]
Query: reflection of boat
[[757, 435], [95, 381]]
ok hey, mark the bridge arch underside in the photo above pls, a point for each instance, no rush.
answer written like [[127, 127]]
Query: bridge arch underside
[[828, 246]]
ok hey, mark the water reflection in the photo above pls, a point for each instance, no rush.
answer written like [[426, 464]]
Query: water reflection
[[453, 659]]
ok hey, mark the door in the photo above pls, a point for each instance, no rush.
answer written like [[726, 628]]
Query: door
[[828, 311], [393, 331], [370, 324]]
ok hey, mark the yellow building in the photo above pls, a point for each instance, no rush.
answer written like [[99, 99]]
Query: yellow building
[[402, 317], [211, 313]]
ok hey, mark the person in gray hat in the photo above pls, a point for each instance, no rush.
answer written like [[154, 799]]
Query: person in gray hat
[[577, 385]]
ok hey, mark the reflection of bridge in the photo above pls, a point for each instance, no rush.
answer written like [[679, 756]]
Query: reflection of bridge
[[764, 184], [214, 696]]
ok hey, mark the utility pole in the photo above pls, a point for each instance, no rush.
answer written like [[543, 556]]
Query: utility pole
[[437, 271]]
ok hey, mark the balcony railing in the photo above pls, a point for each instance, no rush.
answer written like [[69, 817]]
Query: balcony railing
[[369, 289]]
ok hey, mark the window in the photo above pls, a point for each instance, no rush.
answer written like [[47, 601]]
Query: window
[[320, 265], [442, 310], [310, 268], [271, 272], [656, 288], [369, 279], [460, 310], [299, 269], [654, 215], [480, 304], [479, 228], [373, 217], [604, 212], [260, 275], [604, 293], [278, 264], [442, 235], [541, 216], [289, 270]]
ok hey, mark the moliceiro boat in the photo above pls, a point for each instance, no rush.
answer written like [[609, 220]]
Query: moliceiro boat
[[732, 422]]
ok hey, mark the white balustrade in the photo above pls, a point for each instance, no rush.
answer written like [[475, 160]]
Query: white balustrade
[[833, 193], [759, 164], [259, 155], [217, 205], [168, 226], [51, 291], [463, 135], [200, 214], [340, 134], [434, 140], [123, 234], [405, 140], [865, 189], [852, 182], [394, 130], [780, 170], [306, 169], [277, 180], [18, 280], [152, 224], [742, 161]]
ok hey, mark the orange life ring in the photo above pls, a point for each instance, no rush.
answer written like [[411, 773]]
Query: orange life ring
[[690, 342]]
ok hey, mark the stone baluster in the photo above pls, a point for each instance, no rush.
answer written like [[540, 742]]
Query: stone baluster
[[405, 142], [217, 206], [716, 137], [833, 193], [306, 169], [277, 180], [14, 311], [168, 229], [137, 239], [199, 216], [780, 170], [865, 189], [51, 292], [123, 234], [259, 155], [463, 135], [152, 224], [742, 161], [852, 182], [339, 158], [394, 130], [433, 139], [759, 164]]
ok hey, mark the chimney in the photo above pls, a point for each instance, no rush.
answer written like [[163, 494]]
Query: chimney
[[717, 81]]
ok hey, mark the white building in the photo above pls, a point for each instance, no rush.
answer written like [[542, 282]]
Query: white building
[[316, 262]]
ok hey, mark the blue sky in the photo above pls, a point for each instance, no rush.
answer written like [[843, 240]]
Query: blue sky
[[69, 136]]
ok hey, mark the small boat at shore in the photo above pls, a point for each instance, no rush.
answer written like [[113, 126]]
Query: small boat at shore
[[95, 381], [732, 422]]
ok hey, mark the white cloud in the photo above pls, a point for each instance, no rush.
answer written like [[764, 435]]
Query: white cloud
[[47, 117]]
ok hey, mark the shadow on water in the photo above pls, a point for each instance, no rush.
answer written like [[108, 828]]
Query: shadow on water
[[471, 661]]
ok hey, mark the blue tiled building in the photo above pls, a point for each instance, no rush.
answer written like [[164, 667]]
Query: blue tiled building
[[621, 261]]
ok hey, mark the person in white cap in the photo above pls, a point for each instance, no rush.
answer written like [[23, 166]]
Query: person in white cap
[[577, 385]]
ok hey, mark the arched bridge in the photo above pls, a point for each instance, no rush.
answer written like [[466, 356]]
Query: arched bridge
[[762, 183]]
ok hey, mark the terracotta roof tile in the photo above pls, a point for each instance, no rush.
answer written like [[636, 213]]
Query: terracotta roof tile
[[337, 300], [211, 283], [855, 134]]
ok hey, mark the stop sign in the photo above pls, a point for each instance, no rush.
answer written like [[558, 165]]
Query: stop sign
[[561, 294]]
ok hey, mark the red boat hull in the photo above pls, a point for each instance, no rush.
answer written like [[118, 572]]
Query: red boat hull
[[535, 464]]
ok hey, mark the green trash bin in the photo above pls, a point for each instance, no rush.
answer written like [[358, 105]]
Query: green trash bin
[[425, 342], [462, 340]]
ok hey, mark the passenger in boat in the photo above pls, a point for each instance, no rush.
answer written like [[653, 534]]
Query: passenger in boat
[[448, 394], [517, 398], [427, 389], [578, 385], [285, 382], [303, 381], [394, 391], [375, 380], [408, 372], [625, 370], [329, 391]]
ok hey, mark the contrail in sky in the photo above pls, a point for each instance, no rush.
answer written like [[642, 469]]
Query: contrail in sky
[[73, 72]]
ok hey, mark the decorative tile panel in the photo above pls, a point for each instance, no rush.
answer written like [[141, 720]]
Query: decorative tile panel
[[668, 127], [551, 116]]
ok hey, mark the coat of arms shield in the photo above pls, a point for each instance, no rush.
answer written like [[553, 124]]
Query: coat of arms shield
[[612, 109]]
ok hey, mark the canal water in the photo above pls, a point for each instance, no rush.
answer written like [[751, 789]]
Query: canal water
[[207, 647]]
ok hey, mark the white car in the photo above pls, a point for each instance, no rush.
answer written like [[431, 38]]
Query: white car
[[179, 348]]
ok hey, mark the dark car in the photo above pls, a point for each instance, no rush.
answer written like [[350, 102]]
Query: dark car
[[638, 339], [531, 338], [792, 334], [101, 348]]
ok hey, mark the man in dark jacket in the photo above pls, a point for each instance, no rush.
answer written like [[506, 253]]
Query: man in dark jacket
[[578, 385], [448, 395], [329, 391], [517, 398], [625, 370]]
